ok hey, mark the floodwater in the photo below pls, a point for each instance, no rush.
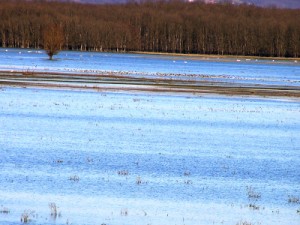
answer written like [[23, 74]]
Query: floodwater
[[234, 70], [148, 158]]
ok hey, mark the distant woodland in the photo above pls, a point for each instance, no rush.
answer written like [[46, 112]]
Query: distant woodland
[[172, 26]]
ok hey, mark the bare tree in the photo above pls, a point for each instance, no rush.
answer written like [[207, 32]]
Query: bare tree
[[53, 39]]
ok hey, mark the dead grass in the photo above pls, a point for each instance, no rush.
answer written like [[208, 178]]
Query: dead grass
[[28, 72]]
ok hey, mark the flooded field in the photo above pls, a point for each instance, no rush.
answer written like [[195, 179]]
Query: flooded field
[[95, 156], [253, 71], [133, 158]]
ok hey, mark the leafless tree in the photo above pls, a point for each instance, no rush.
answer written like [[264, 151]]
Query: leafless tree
[[53, 39]]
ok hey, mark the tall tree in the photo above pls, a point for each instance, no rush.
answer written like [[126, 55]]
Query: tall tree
[[53, 39]]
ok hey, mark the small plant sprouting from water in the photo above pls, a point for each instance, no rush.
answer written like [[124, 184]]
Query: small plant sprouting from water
[[244, 223], [187, 173], [252, 194], [124, 212], [54, 210], [138, 180], [293, 199], [253, 206], [88, 159], [26, 216], [74, 178], [188, 182], [4, 210], [123, 172]]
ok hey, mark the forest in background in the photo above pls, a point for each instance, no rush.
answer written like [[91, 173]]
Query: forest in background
[[172, 26]]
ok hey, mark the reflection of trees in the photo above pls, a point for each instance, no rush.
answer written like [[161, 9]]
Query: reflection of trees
[[173, 26]]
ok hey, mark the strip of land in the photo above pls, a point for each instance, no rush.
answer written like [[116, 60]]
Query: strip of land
[[216, 56], [115, 82]]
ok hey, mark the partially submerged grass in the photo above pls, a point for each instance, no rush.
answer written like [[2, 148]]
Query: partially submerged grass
[[253, 206], [187, 173], [88, 159], [188, 182], [4, 210], [123, 172], [252, 194], [74, 178], [138, 180], [124, 212], [54, 210], [294, 200], [27, 216], [244, 223]]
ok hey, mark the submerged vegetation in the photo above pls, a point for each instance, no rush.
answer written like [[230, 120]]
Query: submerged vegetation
[[172, 26], [27, 216], [244, 223], [74, 178], [252, 194], [4, 210], [293, 199], [53, 210]]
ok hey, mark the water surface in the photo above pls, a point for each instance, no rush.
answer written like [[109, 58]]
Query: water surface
[[134, 158]]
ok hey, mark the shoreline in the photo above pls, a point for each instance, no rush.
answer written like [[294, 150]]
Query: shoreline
[[115, 82], [212, 56]]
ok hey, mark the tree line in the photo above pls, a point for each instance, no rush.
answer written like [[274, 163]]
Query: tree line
[[155, 26]]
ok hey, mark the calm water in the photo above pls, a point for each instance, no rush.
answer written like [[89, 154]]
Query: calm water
[[137, 158]]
